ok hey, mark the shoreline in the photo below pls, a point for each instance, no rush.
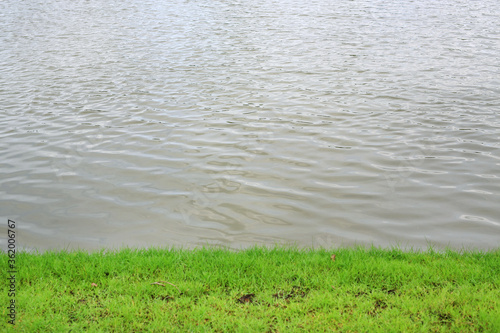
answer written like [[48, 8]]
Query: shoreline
[[431, 246]]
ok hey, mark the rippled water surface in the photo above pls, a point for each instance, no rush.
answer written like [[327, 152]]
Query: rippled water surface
[[325, 123]]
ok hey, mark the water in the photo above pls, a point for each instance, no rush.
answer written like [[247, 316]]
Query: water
[[325, 123]]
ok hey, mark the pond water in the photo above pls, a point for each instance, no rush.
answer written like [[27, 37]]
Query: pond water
[[233, 123]]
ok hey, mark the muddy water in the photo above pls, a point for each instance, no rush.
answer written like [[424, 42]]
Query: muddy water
[[324, 123]]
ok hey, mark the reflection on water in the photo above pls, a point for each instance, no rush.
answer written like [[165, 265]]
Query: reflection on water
[[329, 123]]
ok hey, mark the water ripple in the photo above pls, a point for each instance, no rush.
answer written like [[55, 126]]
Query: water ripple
[[236, 123]]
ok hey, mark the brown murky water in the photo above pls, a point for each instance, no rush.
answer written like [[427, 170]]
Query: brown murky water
[[324, 123]]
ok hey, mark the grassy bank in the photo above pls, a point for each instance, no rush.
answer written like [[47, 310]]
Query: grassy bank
[[261, 290]]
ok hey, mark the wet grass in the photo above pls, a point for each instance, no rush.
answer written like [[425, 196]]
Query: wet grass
[[255, 290]]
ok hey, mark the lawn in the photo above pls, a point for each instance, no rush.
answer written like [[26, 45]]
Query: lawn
[[274, 289]]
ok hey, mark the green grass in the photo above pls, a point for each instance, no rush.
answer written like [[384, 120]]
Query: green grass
[[255, 290]]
